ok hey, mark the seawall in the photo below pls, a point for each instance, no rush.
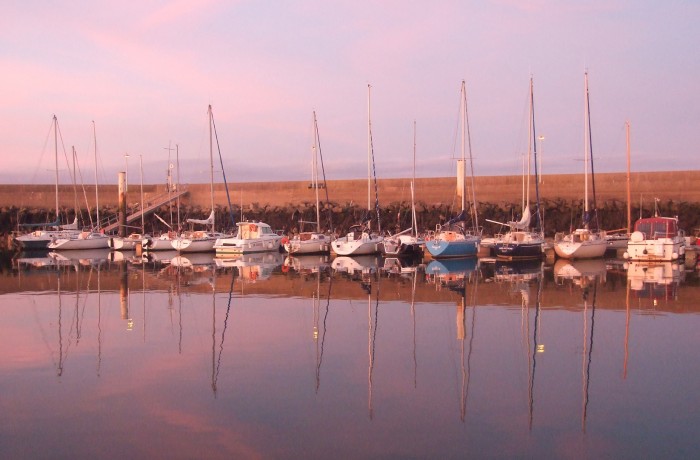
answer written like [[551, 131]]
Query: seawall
[[676, 186]]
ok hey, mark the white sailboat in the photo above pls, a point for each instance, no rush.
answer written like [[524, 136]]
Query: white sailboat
[[90, 239], [202, 240], [584, 243], [360, 239], [521, 242], [39, 239], [452, 239], [314, 242], [407, 242]]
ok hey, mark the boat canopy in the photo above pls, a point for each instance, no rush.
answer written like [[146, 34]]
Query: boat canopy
[[657, 227]]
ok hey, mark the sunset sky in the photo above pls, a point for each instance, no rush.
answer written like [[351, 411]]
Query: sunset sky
[[145, 72]]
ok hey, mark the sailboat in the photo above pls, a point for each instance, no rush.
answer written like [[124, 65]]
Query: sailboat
[[39, 239], [584, 243], [202, 240], [164, 241], [520, 243], [407, 242], [451, 240], [360, 239], [314, 242], [90, 239]]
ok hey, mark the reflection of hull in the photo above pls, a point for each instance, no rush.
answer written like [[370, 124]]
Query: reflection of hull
[[194, 259], [643, 275], [307, 263], [451, 272], [580, 272], [252, 267], [163, 257], [84, 256], [351, 265], [523, 270], [402, 265]]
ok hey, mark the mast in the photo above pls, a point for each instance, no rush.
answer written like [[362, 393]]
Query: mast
[[529, 145], [590, 148], [97, 194], [533, 143], [177, 162], [211, 163], [586, 130], [475, 217], [414, 221], [629, 196], [143, 222], [369, 150], [464, 130], [55, 144]]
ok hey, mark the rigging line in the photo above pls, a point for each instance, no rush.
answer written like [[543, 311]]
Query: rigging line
[[531, 387], [223, 171], [590, 146]]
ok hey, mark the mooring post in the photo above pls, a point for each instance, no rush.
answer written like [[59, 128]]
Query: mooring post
[[122, 204]]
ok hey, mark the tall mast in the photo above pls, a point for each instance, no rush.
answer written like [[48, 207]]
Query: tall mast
[[55, 144], [475, 217], [97, 194], [629, 196], [529, 146], [414, 221], [464, 130], [369, 149], [585, 146], [177, 165], [143, 222], [211, 163]]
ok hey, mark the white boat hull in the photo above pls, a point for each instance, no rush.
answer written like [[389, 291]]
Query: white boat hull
[[84, 240], [364, 245], [660, 249]]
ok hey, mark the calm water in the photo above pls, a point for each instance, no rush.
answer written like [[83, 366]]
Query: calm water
[[255, 358]]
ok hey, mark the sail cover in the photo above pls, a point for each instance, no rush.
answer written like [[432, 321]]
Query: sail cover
[[208, 221], [524, 222]]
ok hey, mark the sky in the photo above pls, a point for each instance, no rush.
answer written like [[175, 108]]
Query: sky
[[145, 72]]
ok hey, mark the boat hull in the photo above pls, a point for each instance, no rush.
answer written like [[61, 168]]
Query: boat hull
[[468, 247], [357, 247], [591, 249], [236, 245], [82, 241]]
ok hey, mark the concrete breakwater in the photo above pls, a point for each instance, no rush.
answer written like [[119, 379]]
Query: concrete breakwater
[[283, 204]]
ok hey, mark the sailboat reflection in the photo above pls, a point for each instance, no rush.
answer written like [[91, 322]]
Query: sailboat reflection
[[252, 267], [402, 265], [316, 330], [518, 271], [580, 272], [358, 268], [307, 264], [85, 257], [451, 273], [216, 359]]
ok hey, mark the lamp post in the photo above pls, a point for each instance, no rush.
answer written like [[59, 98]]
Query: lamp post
[[541, 138]]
